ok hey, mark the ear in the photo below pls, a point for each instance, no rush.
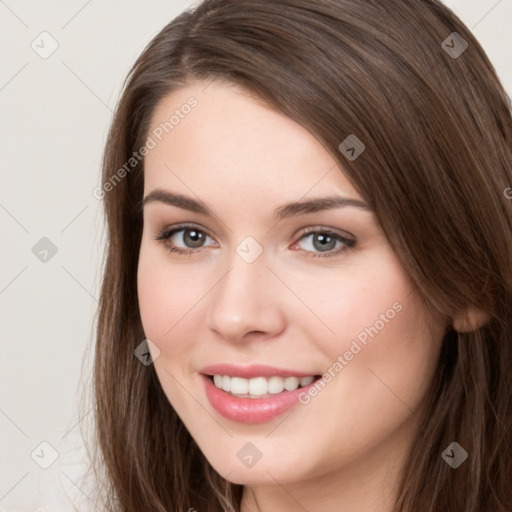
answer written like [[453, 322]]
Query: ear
[[470, 319]]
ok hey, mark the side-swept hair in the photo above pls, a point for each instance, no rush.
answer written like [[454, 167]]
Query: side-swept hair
[[437, 166]]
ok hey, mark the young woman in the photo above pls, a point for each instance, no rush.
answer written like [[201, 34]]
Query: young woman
[[307, 297]]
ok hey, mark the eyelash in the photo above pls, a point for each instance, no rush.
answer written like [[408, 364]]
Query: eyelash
[[168, 232]]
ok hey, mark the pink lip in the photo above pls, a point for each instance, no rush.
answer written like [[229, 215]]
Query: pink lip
[[249, 372], [250, 410]]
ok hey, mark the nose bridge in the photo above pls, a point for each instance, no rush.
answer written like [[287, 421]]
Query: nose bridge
[[243, 301]]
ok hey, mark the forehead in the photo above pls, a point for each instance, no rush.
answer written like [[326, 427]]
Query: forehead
[[217, 138]]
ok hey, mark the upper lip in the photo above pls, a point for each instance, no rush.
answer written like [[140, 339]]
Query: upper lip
[[254, 370]]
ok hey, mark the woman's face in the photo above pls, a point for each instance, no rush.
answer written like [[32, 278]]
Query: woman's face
[[270, 291]]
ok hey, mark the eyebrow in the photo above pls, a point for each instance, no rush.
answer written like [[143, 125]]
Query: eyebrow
[[283, 212]]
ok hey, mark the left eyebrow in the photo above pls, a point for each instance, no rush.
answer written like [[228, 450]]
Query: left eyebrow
[[285, 211], [317, 205], [179, 200]]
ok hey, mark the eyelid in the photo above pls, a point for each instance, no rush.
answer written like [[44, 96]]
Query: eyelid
[[324, 229], [346, 239], [165, 233]]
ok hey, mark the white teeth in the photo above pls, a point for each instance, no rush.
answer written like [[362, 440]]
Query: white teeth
[[239, 386], [226, 383], [275, 385], [304, 381], [291, 383], [259, 386]]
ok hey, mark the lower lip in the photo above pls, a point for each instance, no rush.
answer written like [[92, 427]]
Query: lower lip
[[251, 410]]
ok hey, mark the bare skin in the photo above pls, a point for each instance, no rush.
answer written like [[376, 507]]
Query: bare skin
[[343, 450]]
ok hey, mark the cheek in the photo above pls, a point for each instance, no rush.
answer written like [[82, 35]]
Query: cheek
[[359, 300], [165, 293], [173, 298], [374, 326], [386, 366], [153, 299]]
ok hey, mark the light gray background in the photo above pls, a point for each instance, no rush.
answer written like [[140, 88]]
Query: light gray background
[[55, 116]]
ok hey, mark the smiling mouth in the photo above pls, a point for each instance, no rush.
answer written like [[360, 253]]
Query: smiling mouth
[[260, 387]]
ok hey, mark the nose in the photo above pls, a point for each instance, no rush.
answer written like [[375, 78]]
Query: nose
[[246, 302]]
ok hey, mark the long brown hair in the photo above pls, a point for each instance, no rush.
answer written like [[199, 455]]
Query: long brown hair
[[437, 129]]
